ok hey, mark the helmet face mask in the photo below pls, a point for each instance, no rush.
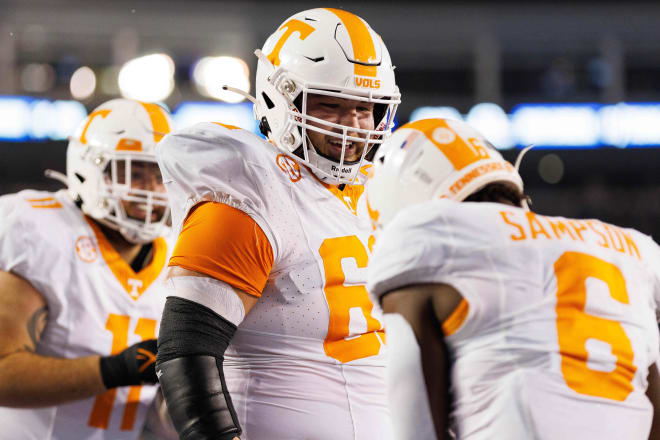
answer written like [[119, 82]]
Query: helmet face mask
[[325, 61], [321, 136], [112, 169], [135, 197]]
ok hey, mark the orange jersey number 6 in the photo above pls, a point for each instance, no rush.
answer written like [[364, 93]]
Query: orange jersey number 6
[[575, 327], [345, 302]]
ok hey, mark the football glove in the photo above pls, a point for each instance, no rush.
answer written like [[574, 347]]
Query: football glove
[[135, 365]]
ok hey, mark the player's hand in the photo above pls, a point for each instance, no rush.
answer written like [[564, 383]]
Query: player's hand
[[133, 366]]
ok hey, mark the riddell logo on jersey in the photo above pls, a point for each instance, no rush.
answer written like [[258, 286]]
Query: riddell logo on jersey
[[367, 82]]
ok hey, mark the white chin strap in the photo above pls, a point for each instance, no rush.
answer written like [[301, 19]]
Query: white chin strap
[[135, 231], [329, 171]]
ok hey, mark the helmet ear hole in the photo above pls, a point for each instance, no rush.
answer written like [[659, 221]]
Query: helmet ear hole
[[264, 127], [268, 101]]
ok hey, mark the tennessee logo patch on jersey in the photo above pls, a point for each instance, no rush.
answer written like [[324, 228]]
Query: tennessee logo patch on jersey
[[289, 166], [85, 249]]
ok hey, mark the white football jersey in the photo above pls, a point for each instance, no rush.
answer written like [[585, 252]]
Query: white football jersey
[[558, 324], [308, 361], [97, 305]]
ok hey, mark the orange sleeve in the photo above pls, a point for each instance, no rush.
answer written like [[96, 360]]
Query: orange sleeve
[[226, 244]]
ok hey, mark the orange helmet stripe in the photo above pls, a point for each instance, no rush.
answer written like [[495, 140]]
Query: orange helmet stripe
[[158, 119], [364, 49], [460, 152]]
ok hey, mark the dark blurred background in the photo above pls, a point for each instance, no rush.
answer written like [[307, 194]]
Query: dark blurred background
[[585, 55]]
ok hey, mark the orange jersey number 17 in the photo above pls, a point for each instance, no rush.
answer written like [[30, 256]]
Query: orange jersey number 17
[[118, 325]]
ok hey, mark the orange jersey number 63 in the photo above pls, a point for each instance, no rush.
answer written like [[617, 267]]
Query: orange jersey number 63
[[344, 301], [575, 327]]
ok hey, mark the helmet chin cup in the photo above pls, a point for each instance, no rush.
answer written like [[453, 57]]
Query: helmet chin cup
[[329, 171]]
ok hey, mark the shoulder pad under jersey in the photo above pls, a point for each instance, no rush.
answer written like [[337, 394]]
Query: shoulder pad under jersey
[[214, 162]]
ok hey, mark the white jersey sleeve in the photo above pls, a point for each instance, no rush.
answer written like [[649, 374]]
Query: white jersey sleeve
[[22, 242], [651, 251], [416, 247], [13, 257], [217, 163]]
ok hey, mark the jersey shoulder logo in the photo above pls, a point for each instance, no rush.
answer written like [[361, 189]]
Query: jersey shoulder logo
[[289, 166], [85, 249]]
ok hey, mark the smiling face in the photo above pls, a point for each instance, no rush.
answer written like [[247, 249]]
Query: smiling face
[[144, 176], [351, 113]]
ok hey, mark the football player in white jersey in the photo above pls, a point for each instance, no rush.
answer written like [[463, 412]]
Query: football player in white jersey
[[549, 322], [269, 332], [79, 295]]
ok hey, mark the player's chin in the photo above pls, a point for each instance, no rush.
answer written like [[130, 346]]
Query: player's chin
[[140, 215], [352, 153]]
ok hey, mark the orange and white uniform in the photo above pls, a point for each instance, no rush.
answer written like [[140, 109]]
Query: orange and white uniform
[[308, 361], [558, 325], [96, 304]]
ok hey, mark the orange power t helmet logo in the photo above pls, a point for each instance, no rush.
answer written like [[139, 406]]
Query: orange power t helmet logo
[[291, 26]]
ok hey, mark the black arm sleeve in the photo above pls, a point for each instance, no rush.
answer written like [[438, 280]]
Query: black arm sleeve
[[191, 348]]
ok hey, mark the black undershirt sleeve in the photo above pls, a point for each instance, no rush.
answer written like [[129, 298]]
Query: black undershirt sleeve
[[191, 347]]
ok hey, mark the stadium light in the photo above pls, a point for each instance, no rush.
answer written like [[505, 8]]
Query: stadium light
[[435, 112], [492, 122], [83, 83], [23, 118], [148, 78], [240, 115], [556, 125], [15, 118], [211, 73]]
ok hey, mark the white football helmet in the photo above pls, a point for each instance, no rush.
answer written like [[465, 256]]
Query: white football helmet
[[431, 159], [117, 134], [327, 52]]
